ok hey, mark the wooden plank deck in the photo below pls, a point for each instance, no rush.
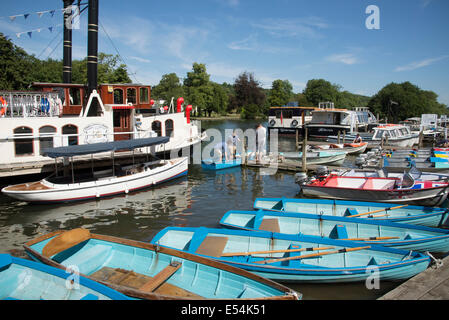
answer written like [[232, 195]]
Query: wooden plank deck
[[432, 284]]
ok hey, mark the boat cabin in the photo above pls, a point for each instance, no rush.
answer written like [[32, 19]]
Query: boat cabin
[[289, 119]]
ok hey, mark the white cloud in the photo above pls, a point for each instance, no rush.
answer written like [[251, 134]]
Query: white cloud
[[420, 64], [345, 58], [299, 27], [143, 60]]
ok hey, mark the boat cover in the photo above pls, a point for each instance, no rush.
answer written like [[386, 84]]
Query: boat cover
[[83, 149]]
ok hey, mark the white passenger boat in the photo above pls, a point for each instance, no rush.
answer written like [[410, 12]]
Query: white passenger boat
[[97, 184]]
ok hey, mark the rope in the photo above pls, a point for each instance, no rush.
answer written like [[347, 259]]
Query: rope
[[437, 262]]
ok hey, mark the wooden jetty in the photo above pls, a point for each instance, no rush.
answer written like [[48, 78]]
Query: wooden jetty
[[432, 284]]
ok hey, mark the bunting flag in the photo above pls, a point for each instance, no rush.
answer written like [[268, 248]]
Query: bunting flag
[[38, 13], [30, 32]]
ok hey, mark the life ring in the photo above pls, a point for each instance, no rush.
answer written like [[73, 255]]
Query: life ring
[[272, 123], [4, 106], [294, 123]]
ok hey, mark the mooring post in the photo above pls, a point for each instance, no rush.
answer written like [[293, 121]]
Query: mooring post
[[304, 152]]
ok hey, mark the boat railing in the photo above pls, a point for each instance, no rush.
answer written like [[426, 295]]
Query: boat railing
[[30, 104]]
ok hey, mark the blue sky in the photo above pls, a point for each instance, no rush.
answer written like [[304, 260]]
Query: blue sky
[[293, 40]]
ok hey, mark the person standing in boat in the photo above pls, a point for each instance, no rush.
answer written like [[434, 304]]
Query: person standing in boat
[[221, 149], [261, 138], [357, 139], [232, 143]]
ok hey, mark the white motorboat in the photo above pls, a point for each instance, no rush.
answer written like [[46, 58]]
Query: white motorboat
[[97, 184]]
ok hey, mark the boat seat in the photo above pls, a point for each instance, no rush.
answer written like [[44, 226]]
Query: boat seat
[[271, 225], [212, 246], [250, 293], [161, 277], [339, 232], [134, 280], [350, 212], [89, 260]]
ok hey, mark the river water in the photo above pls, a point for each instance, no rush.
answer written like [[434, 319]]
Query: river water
[[199, 199]]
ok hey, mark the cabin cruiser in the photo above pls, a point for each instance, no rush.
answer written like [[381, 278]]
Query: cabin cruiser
[[329, 121], [289, 119]]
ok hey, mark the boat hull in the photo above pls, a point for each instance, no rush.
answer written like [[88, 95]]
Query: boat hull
[[47, 192], [211, 165], [326, 268], [23, 279], [416, 215], [396, 235], [426, 197], [145, 264]]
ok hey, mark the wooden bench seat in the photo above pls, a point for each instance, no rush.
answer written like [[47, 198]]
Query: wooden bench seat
[[157, 284]]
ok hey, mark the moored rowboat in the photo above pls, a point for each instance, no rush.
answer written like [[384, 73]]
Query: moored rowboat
[[210, 164], [417, 215], [293, 258], [397, 235], [146, 271], [394, 190], [22, 279]]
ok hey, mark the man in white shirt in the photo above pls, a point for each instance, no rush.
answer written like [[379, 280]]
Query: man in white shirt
[[261, 135]]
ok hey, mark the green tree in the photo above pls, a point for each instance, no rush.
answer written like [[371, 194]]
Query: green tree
[[398, 101], [320, 90], [16, 66], [169, 86], [248, 93], [280, 94], [198, 88]]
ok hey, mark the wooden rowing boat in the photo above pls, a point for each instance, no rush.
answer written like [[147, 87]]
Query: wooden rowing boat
[[147, 271], [22, 279], [294, 258], [386, 233], [417, 215]]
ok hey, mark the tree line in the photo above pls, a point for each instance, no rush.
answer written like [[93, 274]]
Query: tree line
[[246, 96]]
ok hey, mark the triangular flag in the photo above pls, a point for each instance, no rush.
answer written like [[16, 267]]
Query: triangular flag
[[29, 33], [50, 28], [18, 34], [12, 18], [26, 15], [52, 12], [40, 14], [38, 30]]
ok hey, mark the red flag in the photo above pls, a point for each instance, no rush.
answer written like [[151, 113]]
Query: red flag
[[281, 117]]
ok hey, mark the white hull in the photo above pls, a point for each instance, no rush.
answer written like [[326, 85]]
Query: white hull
[[46, 192]]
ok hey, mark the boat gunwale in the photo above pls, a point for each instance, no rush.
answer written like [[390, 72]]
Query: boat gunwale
[[289, 294]]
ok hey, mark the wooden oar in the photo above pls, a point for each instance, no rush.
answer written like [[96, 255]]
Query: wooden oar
[[371, 238], [376, 211], [232, 254], [312, 255]]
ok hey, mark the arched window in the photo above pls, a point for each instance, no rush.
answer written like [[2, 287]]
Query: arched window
[[71, 130], [169, 128], [131, 95], [157, 127], [46, 134], [23, 146], [118, 96]]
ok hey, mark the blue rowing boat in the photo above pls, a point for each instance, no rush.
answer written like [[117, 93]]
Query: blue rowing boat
[[142, 270], [210, 164], [294, 258], [385, 233], [22, 279], [417, 215]]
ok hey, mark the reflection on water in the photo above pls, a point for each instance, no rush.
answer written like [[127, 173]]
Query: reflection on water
[[200, 199]]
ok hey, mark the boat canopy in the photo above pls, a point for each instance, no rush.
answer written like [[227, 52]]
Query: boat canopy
[[83, 149]]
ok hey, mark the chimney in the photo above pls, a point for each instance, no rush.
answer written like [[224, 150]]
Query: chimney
[[92, 46], [92, 54], [67, 52]]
